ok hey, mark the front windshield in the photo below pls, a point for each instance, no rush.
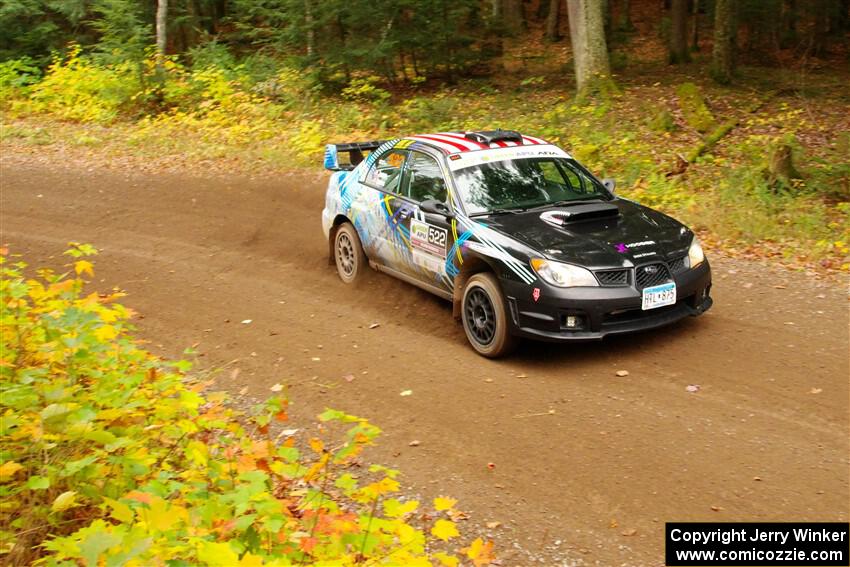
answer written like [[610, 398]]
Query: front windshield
[[525, 183]]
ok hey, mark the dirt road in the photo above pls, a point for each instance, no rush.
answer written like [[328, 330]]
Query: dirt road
[[765, 437]]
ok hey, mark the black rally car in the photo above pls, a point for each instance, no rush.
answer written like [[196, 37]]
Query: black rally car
[[515, 232]]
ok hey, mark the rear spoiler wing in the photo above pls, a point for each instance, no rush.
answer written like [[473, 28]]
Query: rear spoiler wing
[[355, 154]]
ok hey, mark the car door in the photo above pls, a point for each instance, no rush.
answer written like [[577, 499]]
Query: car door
[[386, 227], [428, 236]]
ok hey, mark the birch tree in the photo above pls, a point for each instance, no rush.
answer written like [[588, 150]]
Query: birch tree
[[161, 23]]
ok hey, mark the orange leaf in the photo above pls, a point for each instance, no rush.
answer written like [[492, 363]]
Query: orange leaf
[[307, 544]]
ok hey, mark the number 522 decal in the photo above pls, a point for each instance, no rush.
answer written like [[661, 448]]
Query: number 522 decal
[[428, 238]]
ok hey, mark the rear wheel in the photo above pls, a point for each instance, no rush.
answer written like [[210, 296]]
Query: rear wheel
[[348, 254], [485, 319]]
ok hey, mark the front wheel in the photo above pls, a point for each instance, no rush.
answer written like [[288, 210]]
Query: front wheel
[[348, 254], [485, 319]]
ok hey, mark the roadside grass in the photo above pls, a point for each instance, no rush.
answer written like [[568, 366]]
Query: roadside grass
[[110, 455], [642, 137]]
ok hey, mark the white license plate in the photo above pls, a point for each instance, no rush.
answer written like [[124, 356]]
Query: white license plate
[[659, 296]]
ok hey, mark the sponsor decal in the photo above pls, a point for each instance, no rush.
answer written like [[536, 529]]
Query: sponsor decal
[[507, 153], [536, 294], [621, 248], [653, 269], [428, 238], [404, 144], [644, 254], [639, 244]]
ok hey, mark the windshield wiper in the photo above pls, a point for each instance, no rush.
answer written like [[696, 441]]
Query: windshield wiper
[[561, 203], [497, 212]]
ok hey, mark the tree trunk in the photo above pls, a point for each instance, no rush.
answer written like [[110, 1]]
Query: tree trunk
[[496, 11], [590, 52], [161, 22], [514, 16], [553, 20], [606, 19], [788, 25], [695, 28], [723, 55], [821, 28], [626, 23], [308, 23], [678, 33], [780, 167]]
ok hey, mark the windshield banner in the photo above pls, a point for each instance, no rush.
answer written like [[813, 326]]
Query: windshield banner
[[469, 159]]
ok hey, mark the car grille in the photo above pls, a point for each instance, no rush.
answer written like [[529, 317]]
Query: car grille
[[677, 264], [613, 277], [651, 274]]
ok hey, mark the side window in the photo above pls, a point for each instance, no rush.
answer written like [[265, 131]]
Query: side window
[[425, 179], [387, 171]]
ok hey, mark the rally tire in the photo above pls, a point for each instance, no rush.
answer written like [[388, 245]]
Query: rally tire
[[349, 257], [485, 318]]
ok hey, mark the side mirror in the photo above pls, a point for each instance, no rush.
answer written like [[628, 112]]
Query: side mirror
[[609, 184], [435, 207]]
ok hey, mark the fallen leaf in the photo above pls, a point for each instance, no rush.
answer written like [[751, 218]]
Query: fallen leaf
[[757, 478], [406, 393], [315, 359], [629, 532], [246, 321], [692, 388], [622, 373], [613, 524], [444, 530], [348, 377], [415, 443], [716, 508], [444, 503], [276, 388], [491, 466], [374, 325], [816, 390], [493, 525]]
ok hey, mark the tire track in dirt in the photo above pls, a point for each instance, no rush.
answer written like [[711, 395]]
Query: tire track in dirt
[[199, 255]]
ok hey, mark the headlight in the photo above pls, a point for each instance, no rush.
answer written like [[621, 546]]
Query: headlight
[[695, 254], [563, 275]]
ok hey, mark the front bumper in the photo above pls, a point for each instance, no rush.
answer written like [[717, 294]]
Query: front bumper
[[601, 311]]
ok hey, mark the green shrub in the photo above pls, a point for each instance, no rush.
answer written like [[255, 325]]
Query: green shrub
[[15, 76], [76, 88], [662, 121], [112, 456]]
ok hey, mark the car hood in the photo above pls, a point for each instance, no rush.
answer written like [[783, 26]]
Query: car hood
[[601, 234]]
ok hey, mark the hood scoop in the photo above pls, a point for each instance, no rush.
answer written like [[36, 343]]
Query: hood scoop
[[580, 212]]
